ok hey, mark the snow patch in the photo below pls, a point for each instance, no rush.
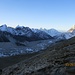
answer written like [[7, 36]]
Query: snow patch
[[2, 55]]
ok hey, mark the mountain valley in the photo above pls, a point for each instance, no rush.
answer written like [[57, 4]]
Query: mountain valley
[[26, 51]]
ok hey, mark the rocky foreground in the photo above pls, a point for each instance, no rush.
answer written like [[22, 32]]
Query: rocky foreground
[[57, 59]]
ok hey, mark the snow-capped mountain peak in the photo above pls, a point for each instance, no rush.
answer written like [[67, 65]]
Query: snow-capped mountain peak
[[38, 33], [70, 33], [4, 27], [52, 32], [72, 29], [18, 26]]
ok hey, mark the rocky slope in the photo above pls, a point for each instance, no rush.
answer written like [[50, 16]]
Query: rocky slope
[[16, 48], [52, 61]]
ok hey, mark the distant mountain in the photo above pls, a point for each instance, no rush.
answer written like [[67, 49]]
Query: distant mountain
[[72, 29], [70, 33], [21, 33], [52, 32], [41, 34], [61, 35]]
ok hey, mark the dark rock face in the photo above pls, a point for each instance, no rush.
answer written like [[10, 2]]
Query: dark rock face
[[3, 38], [0, 71], [19, 44]]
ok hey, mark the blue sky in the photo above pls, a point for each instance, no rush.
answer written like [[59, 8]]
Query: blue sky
[[58, 14]]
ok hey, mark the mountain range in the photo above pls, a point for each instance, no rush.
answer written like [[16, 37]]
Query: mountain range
[[26, 51], [21, 33]]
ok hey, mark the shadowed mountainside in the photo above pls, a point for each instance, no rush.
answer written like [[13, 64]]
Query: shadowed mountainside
[[51, 61]]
